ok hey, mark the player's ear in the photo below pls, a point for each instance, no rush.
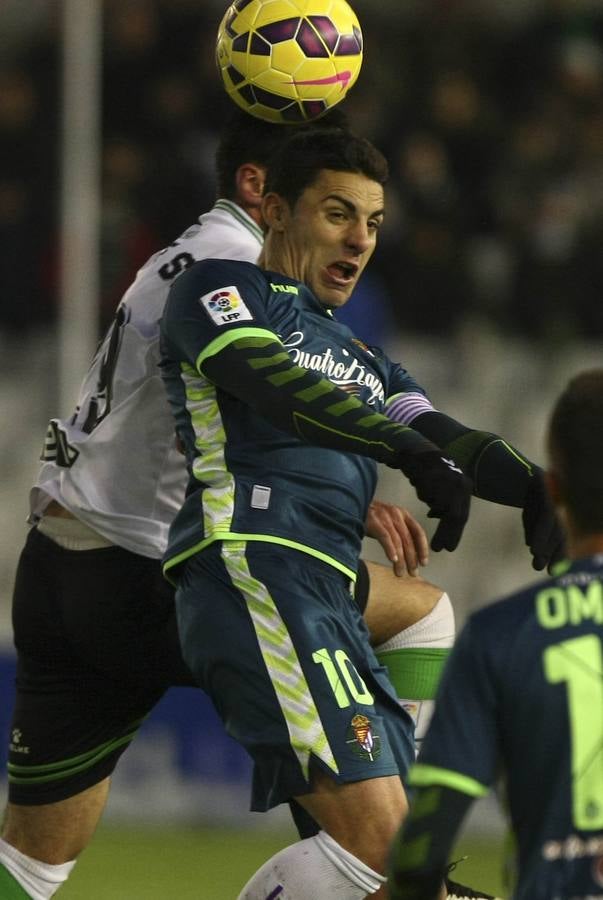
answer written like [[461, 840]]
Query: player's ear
[[274, 211], [250, 178]]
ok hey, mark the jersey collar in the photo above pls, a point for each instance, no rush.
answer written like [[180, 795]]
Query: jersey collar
[[242, 217]]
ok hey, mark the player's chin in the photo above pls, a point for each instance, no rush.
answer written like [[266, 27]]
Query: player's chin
[[336, 296]]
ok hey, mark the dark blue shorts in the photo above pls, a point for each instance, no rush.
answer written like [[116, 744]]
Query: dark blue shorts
[[274, 637]]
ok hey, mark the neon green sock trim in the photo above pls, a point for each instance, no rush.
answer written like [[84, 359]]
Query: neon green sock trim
[[10, 889], [415, 671]]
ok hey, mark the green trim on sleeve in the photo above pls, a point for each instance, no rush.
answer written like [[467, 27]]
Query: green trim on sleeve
[[316, 390], [421, 775], [229, 337], [270, 361], [299, 420], [369, 421], [285, 377], [344, 406]]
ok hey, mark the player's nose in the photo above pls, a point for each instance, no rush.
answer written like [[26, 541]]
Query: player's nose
[[360, 237]]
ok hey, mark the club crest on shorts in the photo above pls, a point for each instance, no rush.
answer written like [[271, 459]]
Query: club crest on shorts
[[363, 741], [225, 306]]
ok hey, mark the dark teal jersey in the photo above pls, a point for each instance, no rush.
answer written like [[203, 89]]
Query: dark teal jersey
[[522, 697], [250, 478]]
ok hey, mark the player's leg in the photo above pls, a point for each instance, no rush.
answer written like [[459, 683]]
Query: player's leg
[[56, 832], [411, 623], [275, 638], [348, 855], [83, 686]]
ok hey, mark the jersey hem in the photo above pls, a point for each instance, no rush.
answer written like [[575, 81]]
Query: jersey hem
[[266, 538]]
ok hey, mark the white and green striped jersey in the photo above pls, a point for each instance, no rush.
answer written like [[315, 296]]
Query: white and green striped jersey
[[114, 462]]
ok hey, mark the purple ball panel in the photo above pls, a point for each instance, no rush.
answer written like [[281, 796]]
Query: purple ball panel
[[310, 42], [277, 32], [326, 30]]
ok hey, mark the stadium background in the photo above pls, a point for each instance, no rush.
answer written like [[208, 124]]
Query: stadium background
[[487, 285]]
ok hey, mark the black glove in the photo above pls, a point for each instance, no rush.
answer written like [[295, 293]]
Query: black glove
[[542, 530], [441, 484]]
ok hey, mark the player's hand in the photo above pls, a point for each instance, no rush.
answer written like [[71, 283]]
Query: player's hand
[[446, 490], [403, 540], [543, 533]]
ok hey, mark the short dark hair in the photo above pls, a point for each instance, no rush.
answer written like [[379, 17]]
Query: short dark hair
[[295, 165], [247, 139], [576, 447]]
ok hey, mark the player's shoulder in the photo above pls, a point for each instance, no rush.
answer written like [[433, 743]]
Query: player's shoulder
[[221, 271], [568, 578], [507, 614], [216, 277]]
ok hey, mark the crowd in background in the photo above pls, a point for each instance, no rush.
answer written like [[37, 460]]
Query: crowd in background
[[493, 127]]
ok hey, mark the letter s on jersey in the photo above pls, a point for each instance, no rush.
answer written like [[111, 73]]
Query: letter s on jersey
[[176, 266]]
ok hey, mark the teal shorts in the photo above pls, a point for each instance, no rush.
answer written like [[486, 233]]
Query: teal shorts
[[274, 637]]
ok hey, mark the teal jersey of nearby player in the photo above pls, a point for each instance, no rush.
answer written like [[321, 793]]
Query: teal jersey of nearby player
[[522, 696], [250, 479]]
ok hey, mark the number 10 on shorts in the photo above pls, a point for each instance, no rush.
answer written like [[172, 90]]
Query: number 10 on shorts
[[343, 678]]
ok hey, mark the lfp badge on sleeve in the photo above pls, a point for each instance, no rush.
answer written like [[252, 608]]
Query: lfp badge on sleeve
[[225, 306]]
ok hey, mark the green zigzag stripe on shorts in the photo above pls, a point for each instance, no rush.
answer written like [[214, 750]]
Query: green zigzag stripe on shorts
[[10, 889], [415, 671], [297, 704]]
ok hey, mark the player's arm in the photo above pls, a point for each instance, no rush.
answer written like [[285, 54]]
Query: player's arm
[[499, 472], [458, 762], [259, 371], [420, 853]]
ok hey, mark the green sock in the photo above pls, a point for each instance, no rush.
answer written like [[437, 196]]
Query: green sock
[[414, 671], [10, 889], [415, 674]]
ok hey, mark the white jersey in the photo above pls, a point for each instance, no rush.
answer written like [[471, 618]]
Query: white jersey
[[114, 463]]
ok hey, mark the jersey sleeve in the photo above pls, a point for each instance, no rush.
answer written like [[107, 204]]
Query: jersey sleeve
[[213, 303], [420, 852], [500, 473], [406, 399], [217, 323]]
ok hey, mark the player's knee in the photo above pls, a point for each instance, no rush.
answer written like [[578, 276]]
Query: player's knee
[[436, 628]]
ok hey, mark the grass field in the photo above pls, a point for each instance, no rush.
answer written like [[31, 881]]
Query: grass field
[[209, 864]]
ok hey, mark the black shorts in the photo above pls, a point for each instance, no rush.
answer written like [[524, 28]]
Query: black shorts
[[362, 585], [97, 647]]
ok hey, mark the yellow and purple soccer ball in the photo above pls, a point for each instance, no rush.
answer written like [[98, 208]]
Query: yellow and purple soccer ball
[[289, 61]]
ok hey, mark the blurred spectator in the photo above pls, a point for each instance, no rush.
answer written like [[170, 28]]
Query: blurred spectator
[[127, 238], [26, 200]]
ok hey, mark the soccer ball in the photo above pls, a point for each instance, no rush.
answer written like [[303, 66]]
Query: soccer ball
[[289, 61]]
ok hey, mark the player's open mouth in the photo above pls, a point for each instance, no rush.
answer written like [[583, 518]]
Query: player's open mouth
[[342, 272]]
